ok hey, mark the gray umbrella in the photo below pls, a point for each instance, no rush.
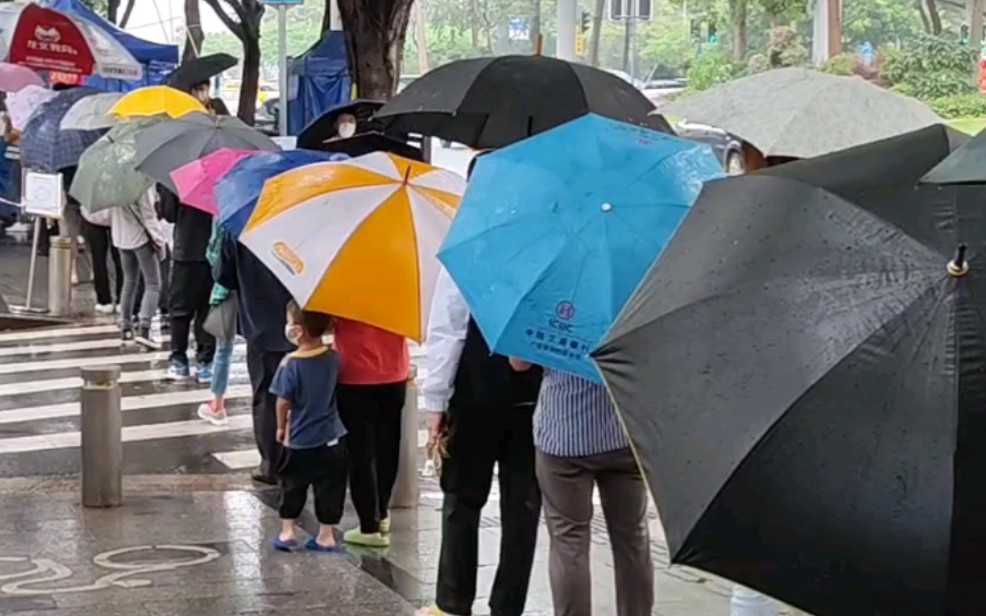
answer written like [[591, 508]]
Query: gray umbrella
[[172, 143], [804, 113]]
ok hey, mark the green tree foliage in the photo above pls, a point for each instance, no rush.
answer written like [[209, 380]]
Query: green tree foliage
[[304, 30], [710, 69], [931, 67], [879, 21]]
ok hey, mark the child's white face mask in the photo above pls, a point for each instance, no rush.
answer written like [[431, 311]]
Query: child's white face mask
[[292, 333]]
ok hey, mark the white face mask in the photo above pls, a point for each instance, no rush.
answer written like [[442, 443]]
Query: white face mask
[[347, 130], [292, 334]]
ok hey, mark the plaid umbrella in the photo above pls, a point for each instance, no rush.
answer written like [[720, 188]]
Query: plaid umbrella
[[106, 176], [44, 146]]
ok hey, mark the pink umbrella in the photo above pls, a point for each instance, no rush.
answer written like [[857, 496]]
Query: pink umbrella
[[14, 78], [196, 181]]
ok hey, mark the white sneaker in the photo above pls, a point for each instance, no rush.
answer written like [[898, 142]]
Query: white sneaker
[[105, 308], [208, 412]]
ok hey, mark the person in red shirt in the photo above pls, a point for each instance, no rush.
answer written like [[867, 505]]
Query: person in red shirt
[[373, 372]]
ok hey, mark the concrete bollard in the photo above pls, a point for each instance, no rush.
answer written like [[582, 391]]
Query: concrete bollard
[[405, 493], [60, 277], [102, 449]]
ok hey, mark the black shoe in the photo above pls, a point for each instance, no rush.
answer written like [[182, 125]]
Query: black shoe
[[260, 476], [126, 336], [144, 339]]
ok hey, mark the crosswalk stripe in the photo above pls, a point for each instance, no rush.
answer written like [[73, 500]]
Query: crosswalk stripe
[[144, 432], [66, 347], [57, 332], [81, 362], [129, 403], [73, 382], [238, 460]]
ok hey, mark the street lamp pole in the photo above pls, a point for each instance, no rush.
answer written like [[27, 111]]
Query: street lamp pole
[[282, 56]]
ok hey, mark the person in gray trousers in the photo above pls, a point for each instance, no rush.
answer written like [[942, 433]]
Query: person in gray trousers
[[580, 445]]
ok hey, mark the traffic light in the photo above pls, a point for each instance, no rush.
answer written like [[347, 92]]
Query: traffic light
[[586, 18], [713, 34], [964, 34]]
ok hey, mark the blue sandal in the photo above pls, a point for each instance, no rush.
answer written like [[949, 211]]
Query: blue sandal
[[314, 546], [284, 546]]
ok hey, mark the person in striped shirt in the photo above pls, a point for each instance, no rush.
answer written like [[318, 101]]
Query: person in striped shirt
[[581, 445]]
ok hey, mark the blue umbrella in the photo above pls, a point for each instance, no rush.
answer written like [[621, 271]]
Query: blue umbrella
[[238, 191], [44, 146], [555, 232]]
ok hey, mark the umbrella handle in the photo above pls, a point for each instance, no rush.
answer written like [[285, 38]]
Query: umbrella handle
[[958, 266]]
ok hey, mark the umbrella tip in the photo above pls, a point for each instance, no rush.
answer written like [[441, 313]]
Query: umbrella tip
[[958, 266]]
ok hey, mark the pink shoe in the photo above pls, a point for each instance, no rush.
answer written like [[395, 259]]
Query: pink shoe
[[208, 412]]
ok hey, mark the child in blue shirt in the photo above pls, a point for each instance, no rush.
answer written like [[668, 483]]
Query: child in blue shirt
[[309, 428]]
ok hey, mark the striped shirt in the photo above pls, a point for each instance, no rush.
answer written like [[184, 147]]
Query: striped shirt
[[575, 417]]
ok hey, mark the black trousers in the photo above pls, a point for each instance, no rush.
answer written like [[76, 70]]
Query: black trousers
[[321, 468], [101, 247], [262, 365], [372, 416], [478, 438], [191, 286]]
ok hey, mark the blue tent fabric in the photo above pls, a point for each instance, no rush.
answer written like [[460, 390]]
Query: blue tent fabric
[[157, 59], [319, 81]]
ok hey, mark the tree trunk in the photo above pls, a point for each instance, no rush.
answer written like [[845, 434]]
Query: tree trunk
[[375, 32], [934, 16], [535, 29], [250, 82], [737, 14], [421, 36], [597, 31], [327, 16], [474, 24], [126, 14], [626, 46], [975, 20], [835, 27], [112, 8], [193, 30]]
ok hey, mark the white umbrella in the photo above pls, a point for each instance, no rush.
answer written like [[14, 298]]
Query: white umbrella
[[21, 105], [90, 113]]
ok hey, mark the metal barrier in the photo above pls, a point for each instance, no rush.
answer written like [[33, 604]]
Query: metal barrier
[[60, 277], [406, 489], [102, 447]]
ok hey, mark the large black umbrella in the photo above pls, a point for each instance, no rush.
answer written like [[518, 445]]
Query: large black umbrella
[[169, 144], [966, 166], [803, 378], [493, 102], [201, 69], [323, 128], [358, 145]]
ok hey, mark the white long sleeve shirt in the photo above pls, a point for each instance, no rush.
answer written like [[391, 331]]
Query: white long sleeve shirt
[[448, 324]]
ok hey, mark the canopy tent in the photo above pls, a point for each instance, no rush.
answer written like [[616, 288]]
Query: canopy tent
[[319, 80], [157, 59]]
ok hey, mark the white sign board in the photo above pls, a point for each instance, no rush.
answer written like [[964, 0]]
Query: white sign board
[[43, 194]]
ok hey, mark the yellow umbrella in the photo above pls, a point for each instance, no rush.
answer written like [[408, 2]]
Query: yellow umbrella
[[358, 238], [155, 100]]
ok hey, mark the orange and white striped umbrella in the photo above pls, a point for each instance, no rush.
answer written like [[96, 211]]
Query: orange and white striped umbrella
[[358, 238]]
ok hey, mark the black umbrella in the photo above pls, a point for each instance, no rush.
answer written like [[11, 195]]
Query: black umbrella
[[323, 127], [966, 166], [493, 102], [198, 70], [803, 378], [358, 145]]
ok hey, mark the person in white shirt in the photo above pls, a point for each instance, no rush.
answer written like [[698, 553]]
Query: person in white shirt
[[138, 236], [485, 410]]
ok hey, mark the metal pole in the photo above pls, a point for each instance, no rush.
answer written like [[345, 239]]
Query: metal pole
[[32, 266], [282, 56], [102, 449], [566, 30], [60, 276], [405, 493], [632, 16]]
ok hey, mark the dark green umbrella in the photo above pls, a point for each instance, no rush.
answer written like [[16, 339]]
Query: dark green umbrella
[[803, 378], [172, 143], [967, 165]]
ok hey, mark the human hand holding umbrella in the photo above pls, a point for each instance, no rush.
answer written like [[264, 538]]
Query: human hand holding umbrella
[[801, 377]]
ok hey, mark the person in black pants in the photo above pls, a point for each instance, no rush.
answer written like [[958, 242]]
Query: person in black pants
[[190, 287], [102, 250], [483, 411], [261, 299]]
